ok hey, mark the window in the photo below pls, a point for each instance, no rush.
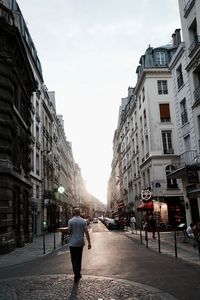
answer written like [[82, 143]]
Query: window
[[171, 183], [32, 160], [187, 143], [165, 113], [37, 191], [160, 58], [194, 38], [139, 101], [37, 164], [162, 87], [145, 117], [198, 122], [183, 108], [179, 75], [143, 94], [196, 77], [167, 142]]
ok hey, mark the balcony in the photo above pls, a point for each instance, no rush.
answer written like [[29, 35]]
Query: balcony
[[188, 160], [193, 47], [188, 7], [196, 94]]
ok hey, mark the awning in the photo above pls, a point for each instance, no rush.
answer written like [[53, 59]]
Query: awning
[[145, 206]]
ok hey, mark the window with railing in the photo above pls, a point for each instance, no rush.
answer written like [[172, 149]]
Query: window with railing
[[196, 94], [179, 75], [183, 108], [194, 38]]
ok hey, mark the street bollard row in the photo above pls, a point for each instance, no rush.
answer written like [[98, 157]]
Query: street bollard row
[[175, 234]]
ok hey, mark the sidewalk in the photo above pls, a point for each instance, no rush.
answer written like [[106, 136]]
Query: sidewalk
[[185, 249], [32, 250]]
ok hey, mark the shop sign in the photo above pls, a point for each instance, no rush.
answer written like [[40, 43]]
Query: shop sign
[[146, 195], [46, 201]]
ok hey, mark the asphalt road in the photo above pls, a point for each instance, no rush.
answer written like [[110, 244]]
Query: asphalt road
[[115, 255]]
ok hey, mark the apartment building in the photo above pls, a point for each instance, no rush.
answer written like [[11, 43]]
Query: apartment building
[[157, 134], [17, 83], [146, 143], [35, 156], [185, 67]]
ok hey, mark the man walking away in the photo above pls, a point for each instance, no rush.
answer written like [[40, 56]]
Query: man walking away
[[77, 227]]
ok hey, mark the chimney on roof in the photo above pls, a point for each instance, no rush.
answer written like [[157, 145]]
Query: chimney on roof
[[176, 37]]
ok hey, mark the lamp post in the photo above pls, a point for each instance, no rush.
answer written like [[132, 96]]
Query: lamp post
[[60, 190], [45, 201]]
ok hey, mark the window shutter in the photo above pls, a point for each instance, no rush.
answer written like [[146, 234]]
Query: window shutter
[[164, 111]]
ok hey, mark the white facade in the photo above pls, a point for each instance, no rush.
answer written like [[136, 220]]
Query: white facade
[[185, 67], [146, 142]]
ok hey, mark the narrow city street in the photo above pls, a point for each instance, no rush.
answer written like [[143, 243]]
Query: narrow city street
[[117, 267]]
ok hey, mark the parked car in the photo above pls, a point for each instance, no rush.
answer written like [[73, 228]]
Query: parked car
[[110, 223]]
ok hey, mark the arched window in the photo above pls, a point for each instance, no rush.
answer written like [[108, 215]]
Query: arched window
[[171, 182]]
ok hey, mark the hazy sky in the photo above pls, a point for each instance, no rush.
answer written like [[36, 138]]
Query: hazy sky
[[89, 51]]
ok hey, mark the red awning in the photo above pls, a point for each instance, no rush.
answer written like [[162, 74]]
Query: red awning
[[145, 206]]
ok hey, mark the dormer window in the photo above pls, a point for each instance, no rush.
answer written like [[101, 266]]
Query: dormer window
[[160, 58]]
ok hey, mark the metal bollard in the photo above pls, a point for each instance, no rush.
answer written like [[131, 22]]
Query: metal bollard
[[159, 240], [54, 239], [43, 239], [141, 235], [175, 243], [146, 238]]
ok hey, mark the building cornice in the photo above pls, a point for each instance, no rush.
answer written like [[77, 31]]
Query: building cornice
[[149, 71]]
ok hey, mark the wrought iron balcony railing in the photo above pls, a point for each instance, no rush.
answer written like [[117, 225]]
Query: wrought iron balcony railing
[[186, 159], [180, 80], [196, 94], [195, 44]]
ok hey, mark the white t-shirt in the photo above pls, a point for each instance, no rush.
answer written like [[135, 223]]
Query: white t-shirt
[[133, 220], [77, 226], [190, 232]]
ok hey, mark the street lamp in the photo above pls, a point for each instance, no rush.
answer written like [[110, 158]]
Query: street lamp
[[60, 190], [45, 201]]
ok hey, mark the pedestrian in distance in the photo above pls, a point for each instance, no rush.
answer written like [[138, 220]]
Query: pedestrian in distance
[[77, 229], [191, 233], [152, 225], [133, 223]]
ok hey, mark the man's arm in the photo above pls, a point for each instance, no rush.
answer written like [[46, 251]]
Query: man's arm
[[88, 237]]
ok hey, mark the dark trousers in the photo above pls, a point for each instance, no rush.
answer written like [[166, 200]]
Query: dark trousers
[[76, 259]]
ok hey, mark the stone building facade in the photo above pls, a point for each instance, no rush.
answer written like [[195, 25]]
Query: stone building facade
[[185, 68], [17, 83]]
